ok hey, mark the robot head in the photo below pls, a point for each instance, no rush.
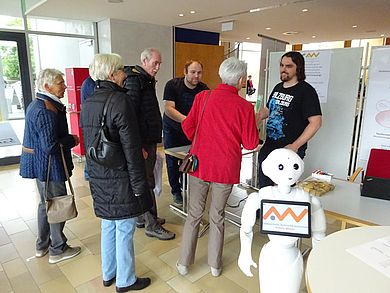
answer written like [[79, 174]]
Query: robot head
[[283, 166]]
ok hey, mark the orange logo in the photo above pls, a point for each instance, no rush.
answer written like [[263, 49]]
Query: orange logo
[[285, 214], [311, 55]]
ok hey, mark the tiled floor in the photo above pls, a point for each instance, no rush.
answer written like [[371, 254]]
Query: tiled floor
[[20, 271]]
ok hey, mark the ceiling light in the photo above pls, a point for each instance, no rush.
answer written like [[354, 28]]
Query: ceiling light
[[290, 33], [248, 38], [181, 14], [382, 35], [354, 26], [254, 10], [313, 37], [305, 10], [192, 11], [268, 28]]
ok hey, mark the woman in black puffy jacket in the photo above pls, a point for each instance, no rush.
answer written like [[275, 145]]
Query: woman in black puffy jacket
[[119, 195]]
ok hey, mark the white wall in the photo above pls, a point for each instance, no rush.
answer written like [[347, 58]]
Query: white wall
[[129, 39], [104, 36]]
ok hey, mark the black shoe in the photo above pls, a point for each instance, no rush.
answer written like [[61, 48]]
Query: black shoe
[[140, 284], [109, 282], [140, 225], [177, 198]]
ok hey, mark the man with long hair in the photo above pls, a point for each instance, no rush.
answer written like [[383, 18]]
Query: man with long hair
[[293, 111]]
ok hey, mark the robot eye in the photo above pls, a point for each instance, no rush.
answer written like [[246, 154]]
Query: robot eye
[[296, 166], [281, 167]]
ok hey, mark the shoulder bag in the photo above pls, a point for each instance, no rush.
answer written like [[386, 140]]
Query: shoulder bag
[[190, 161], [60, 208], [103, 151]]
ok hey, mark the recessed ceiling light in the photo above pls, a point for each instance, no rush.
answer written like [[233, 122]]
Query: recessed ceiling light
[[305, 10], [268, 28], [248, 38], [254, 10], [354, 26], [181, 14], [382, 35], [313, 37], [192, 11], [290, 33]]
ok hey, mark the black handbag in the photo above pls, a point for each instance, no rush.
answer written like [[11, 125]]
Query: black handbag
[[190, 162], [103, 151]]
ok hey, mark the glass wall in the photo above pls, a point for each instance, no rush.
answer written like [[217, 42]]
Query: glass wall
[[11, 15], [60, 26], [49, 43], [251, 54]]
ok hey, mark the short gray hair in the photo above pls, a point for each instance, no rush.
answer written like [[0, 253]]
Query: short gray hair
[[231, 70], [103, 65], [147, 53], [47, 76]]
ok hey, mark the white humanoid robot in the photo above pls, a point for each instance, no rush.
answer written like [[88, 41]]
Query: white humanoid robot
[[280, 260]]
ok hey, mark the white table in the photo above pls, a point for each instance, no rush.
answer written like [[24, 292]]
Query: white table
[[180, 153], [345, 204], [331, 269]]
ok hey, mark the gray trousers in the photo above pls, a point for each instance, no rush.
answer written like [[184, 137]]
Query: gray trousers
[[196, 206], [50, 235], [150, 217]]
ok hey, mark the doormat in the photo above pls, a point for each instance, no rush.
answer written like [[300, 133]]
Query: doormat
[[7, 135]]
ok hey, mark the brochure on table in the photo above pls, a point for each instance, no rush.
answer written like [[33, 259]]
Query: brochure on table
[[375, 254]]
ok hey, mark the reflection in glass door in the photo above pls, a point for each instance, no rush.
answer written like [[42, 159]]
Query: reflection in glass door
[[15, 95]]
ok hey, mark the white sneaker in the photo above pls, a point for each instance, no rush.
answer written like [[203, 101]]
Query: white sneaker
[[183, 270], [41, 253], [216, 272]]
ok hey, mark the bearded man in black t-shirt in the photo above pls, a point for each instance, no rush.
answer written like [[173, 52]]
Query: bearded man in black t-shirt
[[293, 111], [179, 94]]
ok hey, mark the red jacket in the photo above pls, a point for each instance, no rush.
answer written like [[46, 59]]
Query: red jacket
[[228, 123]]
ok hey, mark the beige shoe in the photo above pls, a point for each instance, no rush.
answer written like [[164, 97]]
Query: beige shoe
[[67, 254], [216, 272]]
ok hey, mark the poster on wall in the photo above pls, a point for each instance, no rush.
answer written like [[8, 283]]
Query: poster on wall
[[376, 120], [317, 68]]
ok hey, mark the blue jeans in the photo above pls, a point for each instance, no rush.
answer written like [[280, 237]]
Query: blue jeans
[[174, 138], [118, 251]]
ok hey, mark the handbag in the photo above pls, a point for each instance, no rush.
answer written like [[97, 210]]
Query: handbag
[[103, 151], [60, 208], [190, 161]]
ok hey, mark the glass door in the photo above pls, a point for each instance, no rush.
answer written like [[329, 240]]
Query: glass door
[[15, 94]]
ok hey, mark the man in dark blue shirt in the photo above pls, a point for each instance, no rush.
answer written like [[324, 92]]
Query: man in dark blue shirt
[[179, 95]]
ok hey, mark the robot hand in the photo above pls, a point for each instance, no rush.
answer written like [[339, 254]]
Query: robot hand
[[245, 262]]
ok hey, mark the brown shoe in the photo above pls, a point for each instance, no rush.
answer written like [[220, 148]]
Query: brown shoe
[[160, 233], [67, 254]]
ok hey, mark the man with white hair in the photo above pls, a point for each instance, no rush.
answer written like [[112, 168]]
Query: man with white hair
[[141, 87], [46, 133]]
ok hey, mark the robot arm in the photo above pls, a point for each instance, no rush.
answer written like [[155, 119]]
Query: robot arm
[[318, 221], [248, 219]]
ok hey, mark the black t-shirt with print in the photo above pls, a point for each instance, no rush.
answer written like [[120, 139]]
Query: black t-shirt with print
[[289, 110], [176, 91]]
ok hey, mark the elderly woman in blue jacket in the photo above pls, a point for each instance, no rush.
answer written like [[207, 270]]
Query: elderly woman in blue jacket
[[45, 133]]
